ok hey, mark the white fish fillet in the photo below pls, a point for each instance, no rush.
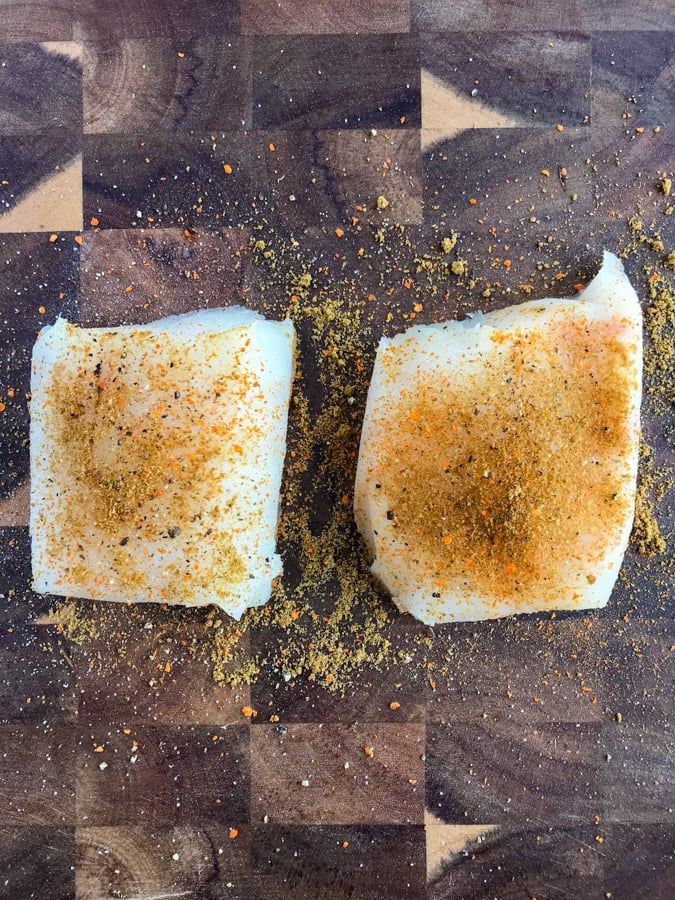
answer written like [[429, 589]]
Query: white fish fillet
[[498, 460], [156, 458]]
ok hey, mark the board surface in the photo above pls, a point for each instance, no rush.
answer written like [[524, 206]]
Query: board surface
[[157, 158]]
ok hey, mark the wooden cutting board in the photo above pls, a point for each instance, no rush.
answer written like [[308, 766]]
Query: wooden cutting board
[[158, 158]]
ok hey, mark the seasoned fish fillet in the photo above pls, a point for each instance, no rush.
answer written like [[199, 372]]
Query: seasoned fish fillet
[[156, 458], [498, 458]]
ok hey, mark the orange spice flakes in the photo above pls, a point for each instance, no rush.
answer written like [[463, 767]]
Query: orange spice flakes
[[481, 537], [248, 712], [233, 833]]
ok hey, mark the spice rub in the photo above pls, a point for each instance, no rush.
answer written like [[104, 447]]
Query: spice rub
[[498, 457], [156, 457]]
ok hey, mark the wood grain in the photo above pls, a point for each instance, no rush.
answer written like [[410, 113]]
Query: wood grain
[[37, 774], [41, 89], [495, 69], [177, 19], [37, 862], [132, 85], [161, 775], [131, 861], [37, 20], [640, 788], [172, 181], [547, 738], [37, 683], [356, 861], [30, 161], [625, 15], [34, 274], [137, 275], [525, 671], [513, 863], [504, 172], [633, 78], [494, 15], [327, 17], [383, 788], [506, 772], [336, 82]]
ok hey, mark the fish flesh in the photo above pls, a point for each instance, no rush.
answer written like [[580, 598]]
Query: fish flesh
[[156, 458], [498, 460]]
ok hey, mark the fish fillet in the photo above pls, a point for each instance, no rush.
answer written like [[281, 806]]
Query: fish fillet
[[498, 459], [156, 458]]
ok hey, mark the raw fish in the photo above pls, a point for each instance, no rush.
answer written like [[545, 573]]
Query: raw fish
[[156, 458], [498, 460]]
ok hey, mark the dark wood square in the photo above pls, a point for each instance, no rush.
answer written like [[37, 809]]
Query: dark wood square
[[37, 862], [494, 15], [37, 772], [167, 861], [493, 71], [374, 861], [178, 20], [633, 78], [154, 775], [336, 82], [139, 275], [503, 772], [133, 85], [171, 181], [41, 87], [513, 862], [37, 20], [327, 17], [316, 774]]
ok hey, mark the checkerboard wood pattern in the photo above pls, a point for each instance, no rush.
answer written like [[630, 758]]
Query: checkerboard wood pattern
[[140, 140]]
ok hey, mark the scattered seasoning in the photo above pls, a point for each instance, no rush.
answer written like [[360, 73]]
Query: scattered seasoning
[[346, 627]]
